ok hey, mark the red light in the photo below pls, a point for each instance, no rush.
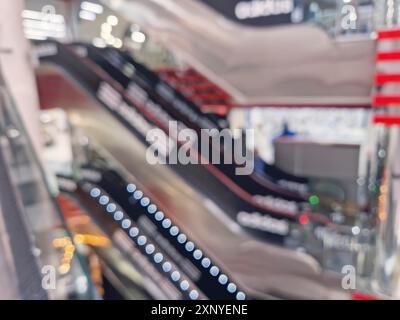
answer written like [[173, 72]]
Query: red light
[[389, 34], [386, 120], [362, 296], [385, 101], [388, 56], [304, 219]]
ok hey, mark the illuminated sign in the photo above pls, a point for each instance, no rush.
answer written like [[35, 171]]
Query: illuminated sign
[[263, 8], [263, 222], [260, 12], [44, 24]]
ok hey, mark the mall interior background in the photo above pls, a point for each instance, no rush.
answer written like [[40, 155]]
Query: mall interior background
[[83, 215]]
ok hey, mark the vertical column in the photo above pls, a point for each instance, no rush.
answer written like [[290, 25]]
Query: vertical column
[[387, 271], [16, 66], [387, 13], [385, 164]]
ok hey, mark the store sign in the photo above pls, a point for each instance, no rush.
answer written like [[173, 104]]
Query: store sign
[[46, 50], [266, 8], [260, 12], [263, 222]]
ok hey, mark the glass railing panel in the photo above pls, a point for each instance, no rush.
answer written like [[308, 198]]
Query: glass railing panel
[[41, 214]]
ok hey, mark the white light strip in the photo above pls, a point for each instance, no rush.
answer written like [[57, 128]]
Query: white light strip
[[43, 33], [35, 37], [92, 7], [138, 37], [182, 239], [39, 15], [98, 42], [87, 15], [43, 25], [141, 240]]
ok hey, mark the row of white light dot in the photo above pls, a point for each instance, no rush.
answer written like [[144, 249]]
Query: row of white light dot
[[183, 240], [142, 240]]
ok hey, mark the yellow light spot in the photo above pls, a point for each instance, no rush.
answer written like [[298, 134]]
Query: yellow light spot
[[69, 248], [64, 268], [79, 238], [68, 256]]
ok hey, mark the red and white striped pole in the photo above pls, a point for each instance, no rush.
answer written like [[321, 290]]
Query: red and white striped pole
[[386, 165]]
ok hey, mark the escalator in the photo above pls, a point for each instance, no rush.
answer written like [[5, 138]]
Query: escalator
[[23, 279], [269, 65], [274, 188], [171, 253], [109, 94], [95, 104], [265, 194], [261, 190], [116, 62], [30, 220]]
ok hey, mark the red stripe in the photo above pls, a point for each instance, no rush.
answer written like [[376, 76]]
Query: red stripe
[[221, 110], [183, 78], [362, 296], [303, 105], [383, 101], [196, 86], [381, 79], [207, 96], [387, 120], [388, 34], [388, 56]]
